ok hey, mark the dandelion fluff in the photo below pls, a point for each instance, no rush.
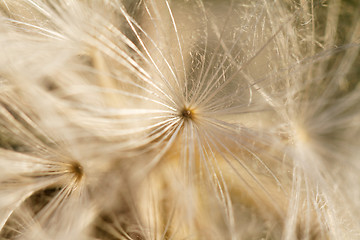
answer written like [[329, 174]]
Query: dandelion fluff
[[163, 119]]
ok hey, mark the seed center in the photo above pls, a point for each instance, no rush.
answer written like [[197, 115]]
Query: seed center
[[186, 113], [77, 170]]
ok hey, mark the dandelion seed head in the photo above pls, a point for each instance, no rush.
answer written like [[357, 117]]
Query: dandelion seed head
[[159, 119]]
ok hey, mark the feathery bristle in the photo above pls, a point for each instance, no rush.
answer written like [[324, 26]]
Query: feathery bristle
[[159, 119]]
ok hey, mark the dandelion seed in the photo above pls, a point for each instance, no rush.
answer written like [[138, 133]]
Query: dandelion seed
[[160, 119]]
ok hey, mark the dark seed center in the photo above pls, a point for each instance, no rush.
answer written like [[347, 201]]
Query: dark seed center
[[186, 113], [77, 170]]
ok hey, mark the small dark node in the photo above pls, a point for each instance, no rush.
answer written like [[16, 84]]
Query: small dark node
[[49, 84], [77, 170], [187, 114]]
